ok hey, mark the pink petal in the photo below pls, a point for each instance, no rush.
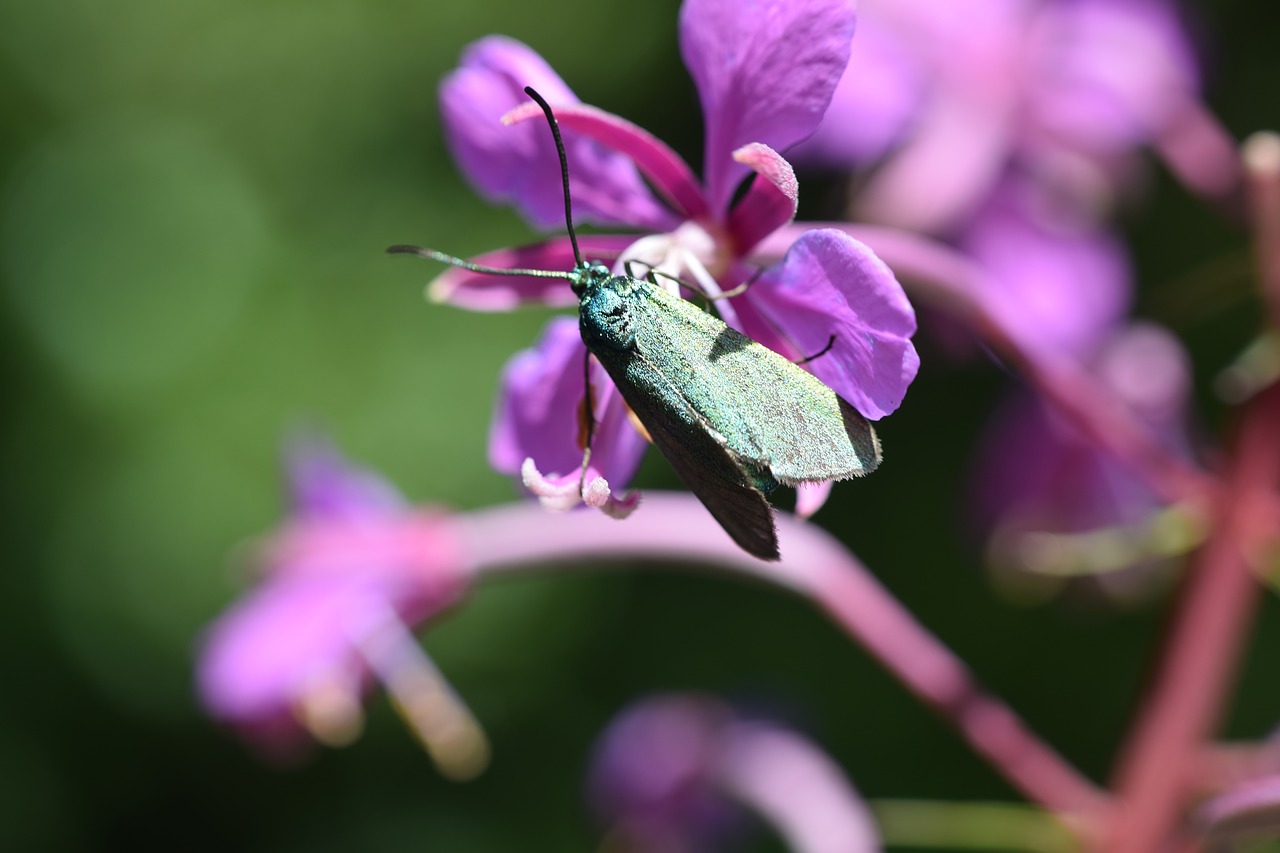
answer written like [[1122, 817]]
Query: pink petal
[[829, 284], [1248, 811], [1063, 285], [770, 202], [538, 414], [946, 169], [258, 656], [873, 106], [519, 165], [482, 292], [1109, 73], [797, 788], [324, 485], [663, 167], [652, 772], [811, 497], [765, 72]]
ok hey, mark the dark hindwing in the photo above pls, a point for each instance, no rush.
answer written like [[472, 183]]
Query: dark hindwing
[[724, 485]]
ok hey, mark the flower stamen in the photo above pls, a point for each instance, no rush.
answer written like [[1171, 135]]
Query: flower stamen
[[424, 699]]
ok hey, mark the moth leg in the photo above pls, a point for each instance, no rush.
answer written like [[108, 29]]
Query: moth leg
[[724, 294], [628, 267], [820, 353], [742, 288], [653, 278], [589, 416]]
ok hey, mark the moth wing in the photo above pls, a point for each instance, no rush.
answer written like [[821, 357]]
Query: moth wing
[[708, 468], [770, 411], [831, 457]]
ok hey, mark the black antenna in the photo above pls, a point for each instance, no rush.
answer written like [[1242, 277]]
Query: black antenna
[[564, 169]]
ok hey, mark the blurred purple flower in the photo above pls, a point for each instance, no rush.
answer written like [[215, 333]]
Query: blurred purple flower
[[347, 572], [1058, 284], [765, 73], [953, 97], [652, 771], [1041, 483], [666, 774]]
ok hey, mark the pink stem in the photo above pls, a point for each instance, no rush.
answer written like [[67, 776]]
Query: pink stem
[[794, 785], [817, 566], [1158, 763], [1159, 760]]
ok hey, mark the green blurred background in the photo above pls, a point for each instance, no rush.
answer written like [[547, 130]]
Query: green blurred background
[[194, 199]]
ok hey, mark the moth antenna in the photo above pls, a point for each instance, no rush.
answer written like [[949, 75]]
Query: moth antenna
[[820, 353], [433, 255], [564, 169]]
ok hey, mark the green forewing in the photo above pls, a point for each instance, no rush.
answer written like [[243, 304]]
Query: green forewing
[[768, 410]]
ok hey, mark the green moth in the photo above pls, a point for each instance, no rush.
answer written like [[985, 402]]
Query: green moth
[[734, 418]]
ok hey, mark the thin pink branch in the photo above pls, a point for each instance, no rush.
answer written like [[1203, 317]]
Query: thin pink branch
[[803, 794], [1158, 763], [815, 565]]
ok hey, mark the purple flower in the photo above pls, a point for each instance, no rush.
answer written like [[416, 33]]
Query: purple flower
[[652, 772], [954, 96], [765, 73], [668, 771], [1059, 284], [347, 572], [1057, 504]]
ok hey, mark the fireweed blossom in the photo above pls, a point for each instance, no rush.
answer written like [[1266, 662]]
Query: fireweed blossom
[[765, 74], [344, 578], [1056, 505], [949, 100], [671, 773]]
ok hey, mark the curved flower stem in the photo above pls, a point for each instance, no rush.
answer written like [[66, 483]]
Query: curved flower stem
[[797, 788], [816, 566], [946, 280]]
